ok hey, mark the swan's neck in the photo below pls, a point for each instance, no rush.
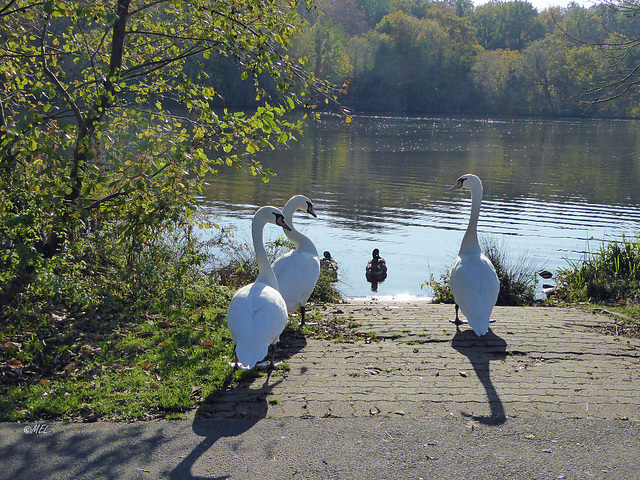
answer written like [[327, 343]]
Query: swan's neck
[[301, 241], [265, 272], [470, 240]]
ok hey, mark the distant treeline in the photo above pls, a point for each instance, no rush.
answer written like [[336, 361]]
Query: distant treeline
[[423, 57]]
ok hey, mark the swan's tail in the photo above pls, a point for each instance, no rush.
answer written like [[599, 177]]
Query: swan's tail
[[480, 327], [249, 356]]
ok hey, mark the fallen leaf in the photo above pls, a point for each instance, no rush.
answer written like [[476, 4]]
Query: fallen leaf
[[206, 343]]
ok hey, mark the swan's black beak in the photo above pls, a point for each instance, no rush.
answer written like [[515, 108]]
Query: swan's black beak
[[458, 184], [281, 222], [310, 210]]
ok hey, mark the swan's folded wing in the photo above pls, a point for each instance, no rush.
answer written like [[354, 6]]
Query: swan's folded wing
[[297, 275], [256, 317]]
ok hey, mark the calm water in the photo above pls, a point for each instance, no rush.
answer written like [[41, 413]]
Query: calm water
[[553, 189]]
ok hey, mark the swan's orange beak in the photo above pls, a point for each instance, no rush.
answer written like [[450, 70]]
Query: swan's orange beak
[[457, 185], [281, 222]]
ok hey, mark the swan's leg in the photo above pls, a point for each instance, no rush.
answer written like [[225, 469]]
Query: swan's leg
[[273, 356], [235, 367], [457, 321], [302, 311]]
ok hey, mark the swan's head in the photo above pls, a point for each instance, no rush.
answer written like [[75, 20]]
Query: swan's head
[[299, 202], [280, 221], [270, 214], [310, 209], [467, 181]]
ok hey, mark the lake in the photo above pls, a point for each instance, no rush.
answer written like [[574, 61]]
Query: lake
[[553, 190]]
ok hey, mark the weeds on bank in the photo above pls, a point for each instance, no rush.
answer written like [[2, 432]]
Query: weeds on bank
[[610, 276]]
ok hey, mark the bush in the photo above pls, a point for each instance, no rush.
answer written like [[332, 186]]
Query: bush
[[612, 274]]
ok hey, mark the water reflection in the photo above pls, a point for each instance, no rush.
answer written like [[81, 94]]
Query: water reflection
[[550, 187]]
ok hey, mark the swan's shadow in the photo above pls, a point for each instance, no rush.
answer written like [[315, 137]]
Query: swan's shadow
[[242, 406], [253, 410], [480, 351]]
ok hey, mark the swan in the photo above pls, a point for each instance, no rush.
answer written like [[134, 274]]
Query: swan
[[472, 279], [376, 268], [298, 270], [257, 314]]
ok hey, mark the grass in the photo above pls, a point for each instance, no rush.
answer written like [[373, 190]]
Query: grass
[[85, 366]]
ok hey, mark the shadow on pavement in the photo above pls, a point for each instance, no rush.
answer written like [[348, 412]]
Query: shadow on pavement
[[253, 410], [236, 408], [480, 351]]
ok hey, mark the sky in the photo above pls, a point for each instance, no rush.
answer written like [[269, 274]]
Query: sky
[[542, 4]]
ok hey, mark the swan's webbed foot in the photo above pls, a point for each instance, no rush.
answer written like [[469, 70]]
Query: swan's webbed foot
[[457, 322], [302, 315]]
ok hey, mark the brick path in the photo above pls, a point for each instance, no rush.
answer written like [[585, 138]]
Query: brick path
[[535, 362]]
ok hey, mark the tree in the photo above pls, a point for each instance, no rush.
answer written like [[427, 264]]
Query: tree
[[407, 67], [500, 75], [618, 55], [507, 25], [107, 115]]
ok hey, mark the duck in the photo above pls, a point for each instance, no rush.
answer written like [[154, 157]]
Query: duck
[[298, 270], [257, 314], [472, 278], [329, 267], [376, 267]]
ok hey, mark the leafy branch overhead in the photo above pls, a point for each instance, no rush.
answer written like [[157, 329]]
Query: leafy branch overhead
[[106, 102]]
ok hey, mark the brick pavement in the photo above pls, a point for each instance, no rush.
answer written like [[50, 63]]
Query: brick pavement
[[410, 361]]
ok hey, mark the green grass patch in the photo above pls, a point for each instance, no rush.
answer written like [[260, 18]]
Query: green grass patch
[[129, 370]]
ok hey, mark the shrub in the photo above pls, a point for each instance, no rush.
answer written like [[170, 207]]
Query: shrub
[[612, 274]]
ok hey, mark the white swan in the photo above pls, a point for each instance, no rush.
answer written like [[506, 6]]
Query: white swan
[[298, 270], [473, 280], [257, 314]]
